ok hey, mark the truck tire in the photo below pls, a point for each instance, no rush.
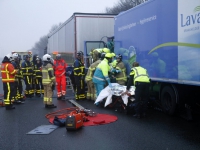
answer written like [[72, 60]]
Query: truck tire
[[168, 100]]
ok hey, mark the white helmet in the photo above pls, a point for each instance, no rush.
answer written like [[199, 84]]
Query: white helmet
[[15, 55], [9, 56], [46, 57]]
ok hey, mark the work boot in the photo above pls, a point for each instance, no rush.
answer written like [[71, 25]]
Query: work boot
[[137, 116], [9, 107], [18, 102], [50, 106], [22, 99], [63, 97], [38, 95], [59, 98]]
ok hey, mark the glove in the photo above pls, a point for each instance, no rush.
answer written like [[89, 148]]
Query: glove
[[110, 85], [113, 70], [53, 87], [117, 71]]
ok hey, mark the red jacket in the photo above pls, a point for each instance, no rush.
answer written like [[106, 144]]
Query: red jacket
[[7, 72], [60, 67]]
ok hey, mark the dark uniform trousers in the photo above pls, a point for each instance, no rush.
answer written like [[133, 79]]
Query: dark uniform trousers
[[80, 88], [141, 96], [18, 89], [39, 86], [9, 88], [28, 82]]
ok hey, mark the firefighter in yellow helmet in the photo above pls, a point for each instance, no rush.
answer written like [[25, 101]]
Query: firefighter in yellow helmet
[[119, 71], [91, 93], [48, 81], [101, 77], [96, 53]]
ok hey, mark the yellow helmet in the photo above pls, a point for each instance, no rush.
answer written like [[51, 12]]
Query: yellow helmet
[[109, 55], [106, 50], [113, 54]]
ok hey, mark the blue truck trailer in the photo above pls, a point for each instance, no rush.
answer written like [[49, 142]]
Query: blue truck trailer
[[164, 37]]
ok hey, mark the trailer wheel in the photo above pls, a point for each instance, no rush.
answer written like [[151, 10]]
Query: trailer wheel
[[168, 100]]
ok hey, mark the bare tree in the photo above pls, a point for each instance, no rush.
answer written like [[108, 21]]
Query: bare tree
[[54, 27], [123, 5], [41, 45]]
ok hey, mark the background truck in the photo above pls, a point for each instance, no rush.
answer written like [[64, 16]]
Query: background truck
[[80, 32], [164, 37]]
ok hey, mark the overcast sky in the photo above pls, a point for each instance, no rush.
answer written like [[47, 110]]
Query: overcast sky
[[23, 22]]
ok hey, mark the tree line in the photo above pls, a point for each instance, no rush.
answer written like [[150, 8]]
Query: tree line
[[122, 5]]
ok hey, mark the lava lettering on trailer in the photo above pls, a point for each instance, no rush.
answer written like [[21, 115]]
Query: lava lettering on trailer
[[189, 34], [187, 20]]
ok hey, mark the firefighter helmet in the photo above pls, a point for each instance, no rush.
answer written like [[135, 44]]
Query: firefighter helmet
[[58, 56], [113, 54], [9, 56], [79, 53], [106, 50], [37, 59], [108, 55], [119, 56], [27, 56], [15, 55], [46, 57]]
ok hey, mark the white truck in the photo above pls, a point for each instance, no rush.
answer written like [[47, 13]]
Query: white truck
[[81, 31]]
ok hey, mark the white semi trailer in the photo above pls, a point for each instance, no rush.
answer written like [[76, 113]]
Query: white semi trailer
[[80, 28]]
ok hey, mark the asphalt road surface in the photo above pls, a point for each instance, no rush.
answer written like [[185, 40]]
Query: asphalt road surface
[[156, 132]]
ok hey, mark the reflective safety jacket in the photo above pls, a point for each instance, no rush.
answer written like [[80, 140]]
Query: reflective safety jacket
[[114, 63], [140, 74], [122, 72], [7, 72], [27, 68], [37, 70], [79, 68], [60, 67], [101, 73], [91, 70], [17, 67], [47, 74]]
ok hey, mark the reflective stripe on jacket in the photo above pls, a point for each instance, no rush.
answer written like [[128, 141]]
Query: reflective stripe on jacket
[[79, 68], [7, 72], [140, 74], [17, 67], [101, 72], [47, 74], [122, 74], [37, 71], [91, 70], [27, 68]]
